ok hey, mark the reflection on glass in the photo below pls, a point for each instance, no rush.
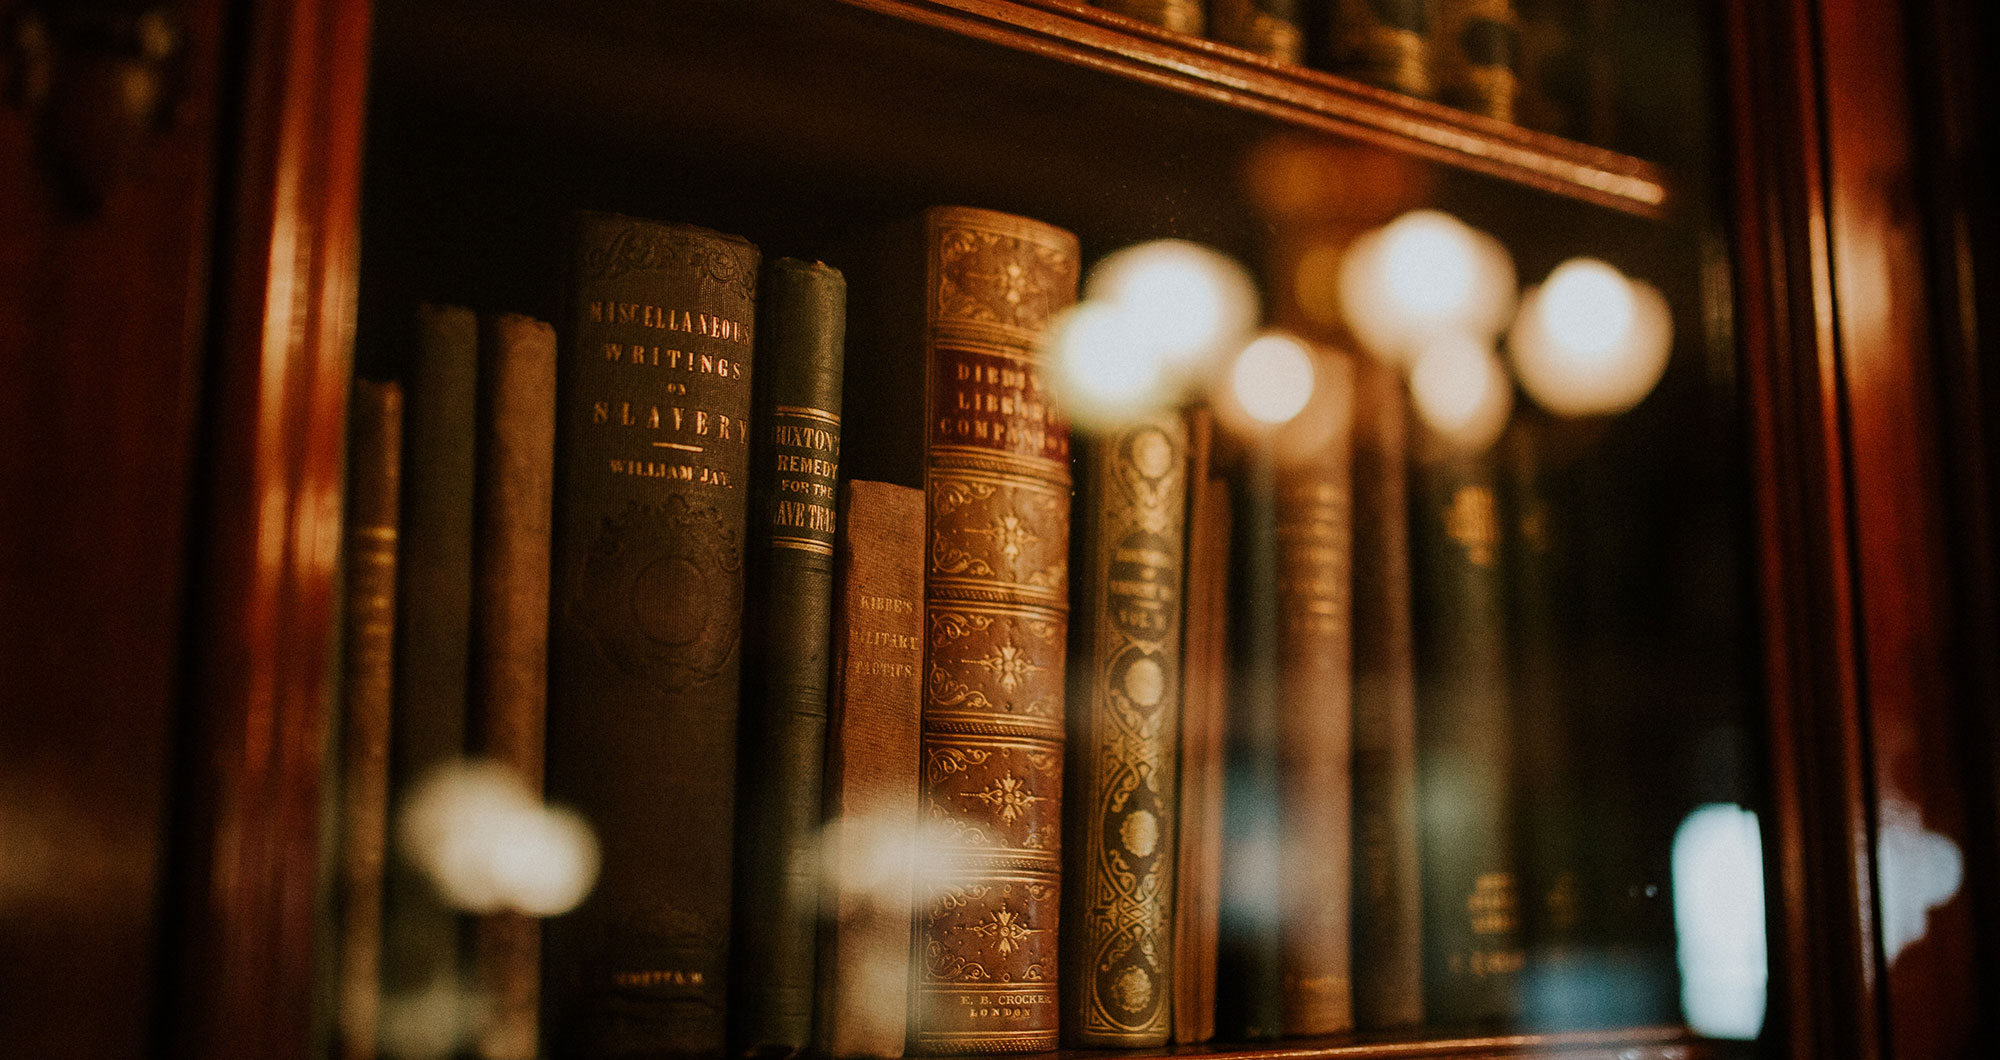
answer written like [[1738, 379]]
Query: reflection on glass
[[1105, 374], [1719, 919], [1461, 390], [1272, 379], [488, 843], [1590, 341], [1918, 870], [1181, 299], [1425, 274]]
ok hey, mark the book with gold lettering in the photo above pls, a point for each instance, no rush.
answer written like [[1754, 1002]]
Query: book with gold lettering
[[1473, 951], [652, 454], [871, 771], [1268, 27], [375, 439], [1314, 533], [1120, 792], [1204, 697], [1474, 44], [795, 453], [956, 402], [1384, 42], [510, 635], [1183, 16]]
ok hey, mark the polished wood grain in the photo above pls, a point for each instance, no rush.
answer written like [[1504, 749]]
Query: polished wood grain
[[270, 539], [101, 319], [1640, 1043]]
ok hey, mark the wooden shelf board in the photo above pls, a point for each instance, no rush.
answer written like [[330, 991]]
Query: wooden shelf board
[[1643, 1043], [1100, 40]]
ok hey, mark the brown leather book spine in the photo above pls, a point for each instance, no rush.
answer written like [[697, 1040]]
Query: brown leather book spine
[[1182, 16], [510, 635], [1384, 42], [375, 440], [871, 771], [996, 610], [1475, 55], [1204, 682], [1388, 896], [652, 454], [1124, 737], [1268, 27], [1315, 718]]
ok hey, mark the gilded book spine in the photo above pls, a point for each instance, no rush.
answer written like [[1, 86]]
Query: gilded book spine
[[1388, 902], [1475, 46], [1472, 921], [1268, 27], [1204, 695], [1315, 749], [376, 440], [652, 445], [1384, 42], [510, 625], [1124, 716], [871, 771], [996, 607], [1184, 16], [795, 457]]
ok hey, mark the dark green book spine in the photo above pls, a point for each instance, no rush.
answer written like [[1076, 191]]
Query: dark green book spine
[[421, 947], [1249, 975], [652, 462], [1472, 921], [795, 454]]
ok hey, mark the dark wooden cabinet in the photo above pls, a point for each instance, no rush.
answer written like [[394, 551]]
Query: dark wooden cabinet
[[178, 327]]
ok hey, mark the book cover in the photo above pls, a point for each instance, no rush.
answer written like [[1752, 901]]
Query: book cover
[[375, 442], [1471, 886], [1384, 42], [510, 626], [871, 771], [795, 455], [1121, 791], [1388, 901], [958, 404], [1474, 46], [652, 444], [1204, 697]]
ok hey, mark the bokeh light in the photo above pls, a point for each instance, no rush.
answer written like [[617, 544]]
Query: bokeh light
[[1271, 379], [1105, 373], [487, 842], [1423, 275], [1461, 390], [1181, 299], [1590, 341]]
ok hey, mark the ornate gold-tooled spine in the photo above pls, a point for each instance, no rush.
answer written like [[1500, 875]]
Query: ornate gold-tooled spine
[[1383, 42], [1475, 45], [996, 615], [1182, 16], [1125, 737]]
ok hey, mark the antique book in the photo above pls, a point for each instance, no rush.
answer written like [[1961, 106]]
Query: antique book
[[510, 635], [1474, 46], [1471, 887], [1120, 792], [375, 442], [422, 944], [1388, 903], [1184, 16], [1315, 733], [1268, 27], [652, 454], [1384, 42], [1249, 958], [958, 404], [1204, 698], [794, 457], [871, 771]]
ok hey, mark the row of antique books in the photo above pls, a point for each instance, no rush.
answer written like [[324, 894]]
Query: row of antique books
[[1542, 63], [904, 719]]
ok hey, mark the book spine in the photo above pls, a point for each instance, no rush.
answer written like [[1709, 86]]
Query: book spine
[[1384, 42], [1472, 921], [996, 606], [510, 625], [1124, 715], [373, 478], [1268, 27], [652, 444], [1315, 734], [1388, 902], [795, 457], [421, 944], [1183, 16], [1475, 54], [1204, 695], [871, 771], [1249, 986]]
